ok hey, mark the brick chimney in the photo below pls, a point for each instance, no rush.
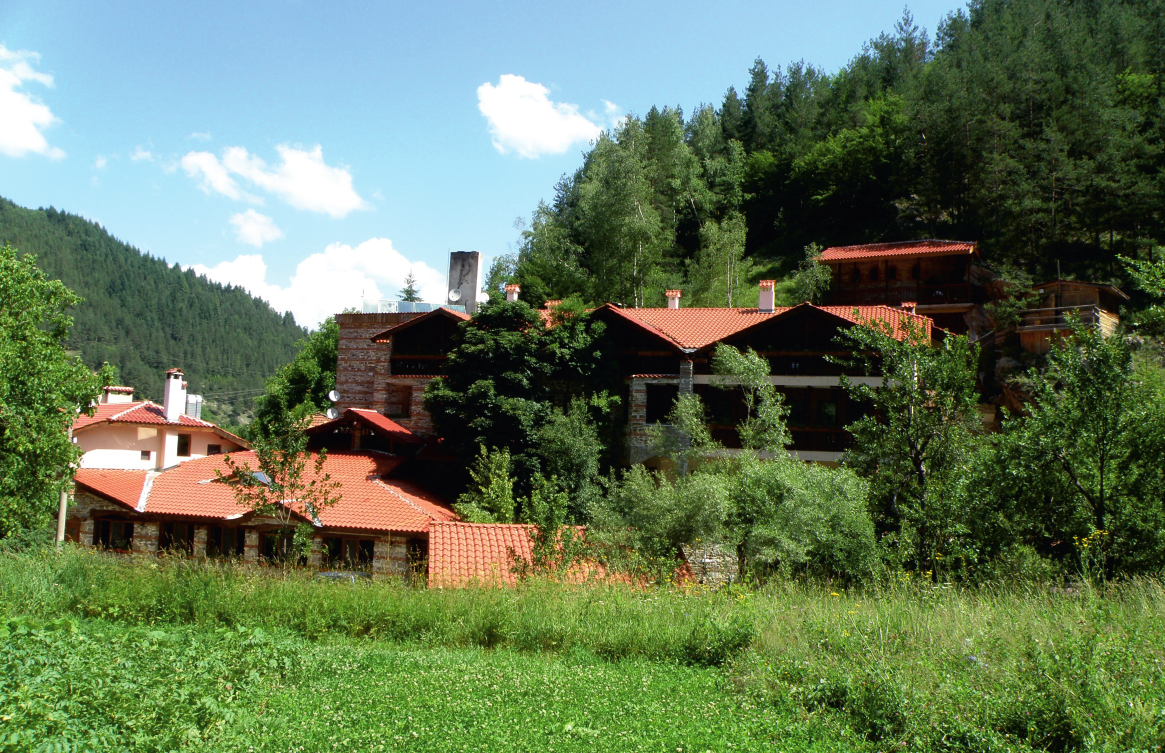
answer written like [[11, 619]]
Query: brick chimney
[[512, 292], [174, 395], [673, 299], [767, 296]]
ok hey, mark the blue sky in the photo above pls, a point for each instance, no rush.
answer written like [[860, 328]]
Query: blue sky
[[315, 153]]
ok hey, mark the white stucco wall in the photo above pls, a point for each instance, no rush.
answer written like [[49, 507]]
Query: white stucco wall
[[120, 447]]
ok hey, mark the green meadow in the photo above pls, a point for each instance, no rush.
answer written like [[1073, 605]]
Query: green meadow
[[103, 653]]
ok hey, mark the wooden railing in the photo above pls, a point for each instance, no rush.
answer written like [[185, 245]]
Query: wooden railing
[[894, 295], [1052, 319]]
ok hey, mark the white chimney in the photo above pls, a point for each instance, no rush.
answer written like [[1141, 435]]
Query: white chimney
[[174, 395], [767, 296], [512, 292], [673, 299]]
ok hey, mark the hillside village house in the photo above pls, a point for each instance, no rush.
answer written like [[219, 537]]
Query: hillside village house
[[661, 352], [140, 435], [148, 478]]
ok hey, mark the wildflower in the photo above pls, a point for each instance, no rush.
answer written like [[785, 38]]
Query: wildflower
[[835, 593]]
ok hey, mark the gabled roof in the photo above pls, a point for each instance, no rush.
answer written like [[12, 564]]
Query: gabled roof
[[692, 329], [464, 553], [397, 329], [144, 412], [123, 487], [1077, 283], [369, 419], [369, 499], [904, 248]]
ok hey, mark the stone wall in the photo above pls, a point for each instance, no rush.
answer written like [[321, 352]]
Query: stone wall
[[362, 365], [419, 420], [712, 564], [390, 557]]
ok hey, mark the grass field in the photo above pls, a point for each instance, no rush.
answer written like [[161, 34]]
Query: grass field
[[168, 655]]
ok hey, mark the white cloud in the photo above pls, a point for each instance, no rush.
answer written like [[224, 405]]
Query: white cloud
[[100, 162], [329, 282], [139, 154], [523, 119], [24, 117], [302, 179], [200, 136], [214, 177], [255, 229]]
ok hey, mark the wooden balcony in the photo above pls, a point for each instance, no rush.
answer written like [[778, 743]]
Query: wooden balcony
[[894, 294]]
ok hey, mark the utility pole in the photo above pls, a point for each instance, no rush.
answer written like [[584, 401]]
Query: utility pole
[[64, 505]]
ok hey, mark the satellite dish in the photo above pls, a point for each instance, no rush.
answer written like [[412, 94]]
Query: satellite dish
[[332, 413], [334, 396], [455, 294], [483, 297]]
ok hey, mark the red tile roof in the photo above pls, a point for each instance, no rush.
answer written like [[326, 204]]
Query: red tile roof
[[369, 418], [386, 334], [368, 500], [467, 553], [697, 328], [906, 248], [145, 412], [116, 486], [118, 388]]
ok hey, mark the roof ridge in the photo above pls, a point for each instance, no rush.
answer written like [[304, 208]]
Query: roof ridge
[[377, 480], [133, 407]]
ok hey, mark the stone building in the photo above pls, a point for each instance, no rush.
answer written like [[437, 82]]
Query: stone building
[[381, 522]]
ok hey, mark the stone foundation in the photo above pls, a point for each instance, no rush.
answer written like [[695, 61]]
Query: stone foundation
[[712, 564]]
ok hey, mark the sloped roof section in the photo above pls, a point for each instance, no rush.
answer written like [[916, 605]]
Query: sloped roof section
[[369, 499], [150, 414], [906, 248], [124, 487], [477, 553], [370, 419], [396, 329], [692, 329]]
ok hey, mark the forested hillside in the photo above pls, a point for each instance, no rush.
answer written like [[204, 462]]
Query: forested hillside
[[1031, 126], [144, 316]]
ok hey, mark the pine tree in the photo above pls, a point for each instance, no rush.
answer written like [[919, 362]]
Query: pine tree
[[409, 292]]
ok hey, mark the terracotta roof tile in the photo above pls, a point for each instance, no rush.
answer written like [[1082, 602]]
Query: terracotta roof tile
[[104, 412], [697, 328], [152, 414], [117, 486], [465, 553], [905, 248], [119, 389], [371, 418], [368, 500]]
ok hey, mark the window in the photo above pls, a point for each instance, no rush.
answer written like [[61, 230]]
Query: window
[[113, 534], [277, 547], [146, 454], [874, 274], [857, 274], [915, 271], [183, 445], [177, 536], [891, 273], [214, 449], [400, 398]]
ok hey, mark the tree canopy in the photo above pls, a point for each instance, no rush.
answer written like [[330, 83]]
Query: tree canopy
[[42, 390], [1031, 126]]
